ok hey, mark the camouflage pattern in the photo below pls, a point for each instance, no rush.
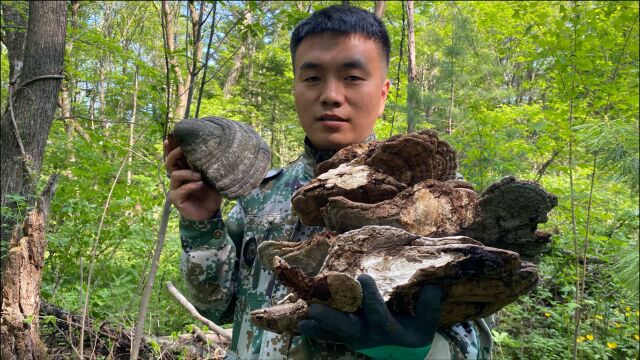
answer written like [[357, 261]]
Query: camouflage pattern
[[224, 275]]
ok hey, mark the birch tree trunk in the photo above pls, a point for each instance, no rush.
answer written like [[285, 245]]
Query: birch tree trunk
[[65, 99], [238, 58], [169, 14], [452, 89], [378, 8], [411, 71], [132, 124]]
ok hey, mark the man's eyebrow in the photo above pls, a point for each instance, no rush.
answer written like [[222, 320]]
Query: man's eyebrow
[[309, 66], [354, 64], [349, 64]]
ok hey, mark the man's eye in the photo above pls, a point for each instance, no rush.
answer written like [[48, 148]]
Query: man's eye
[[353, 78], [311, 79]]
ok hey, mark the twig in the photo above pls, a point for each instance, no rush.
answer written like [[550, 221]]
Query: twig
[[205, 65], [192, 310], [146, 295], [586, 235], [576, 330], [200, 335], [546, 164], [97, 241], [15, 124]]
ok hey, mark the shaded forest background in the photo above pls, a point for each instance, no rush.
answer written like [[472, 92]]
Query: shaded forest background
[[546, 91]]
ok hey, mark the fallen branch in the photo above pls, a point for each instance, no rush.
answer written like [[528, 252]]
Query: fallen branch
[[192, 310], [68, 325]]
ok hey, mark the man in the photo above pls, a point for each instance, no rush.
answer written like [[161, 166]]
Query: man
[[340, 57]]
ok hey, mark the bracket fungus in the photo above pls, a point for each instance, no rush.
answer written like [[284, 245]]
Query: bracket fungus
[[475, 280], [408, 182], [231, 156], [395, 210]]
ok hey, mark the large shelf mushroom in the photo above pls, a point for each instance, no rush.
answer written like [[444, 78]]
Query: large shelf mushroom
[[397, 211], [409, 182], [475, 280], [231, 156]]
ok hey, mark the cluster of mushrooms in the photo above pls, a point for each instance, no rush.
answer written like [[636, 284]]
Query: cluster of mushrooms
[[397, 211]]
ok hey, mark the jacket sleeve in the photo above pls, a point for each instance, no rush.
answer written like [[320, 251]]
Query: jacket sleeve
[[208, 262]]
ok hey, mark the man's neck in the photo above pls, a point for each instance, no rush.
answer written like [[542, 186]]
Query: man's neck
[[318, 155]]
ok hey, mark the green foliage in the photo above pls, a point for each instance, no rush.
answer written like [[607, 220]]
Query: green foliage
[[540, 90]]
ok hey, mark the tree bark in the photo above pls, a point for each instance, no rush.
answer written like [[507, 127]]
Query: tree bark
[[21, 278], [411, 71], [25, 128]]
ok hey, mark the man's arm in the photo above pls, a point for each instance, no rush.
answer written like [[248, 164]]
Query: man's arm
[[208, 262]]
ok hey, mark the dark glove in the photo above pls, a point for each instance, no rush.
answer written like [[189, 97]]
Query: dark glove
[[376, 327]]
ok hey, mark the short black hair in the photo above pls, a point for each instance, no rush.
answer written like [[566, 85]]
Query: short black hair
[[342, 19]]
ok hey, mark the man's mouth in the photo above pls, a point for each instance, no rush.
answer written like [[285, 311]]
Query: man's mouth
[[331, 117]]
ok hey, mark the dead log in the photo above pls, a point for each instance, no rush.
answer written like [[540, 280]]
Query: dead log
[[114, 340], [21, 278]]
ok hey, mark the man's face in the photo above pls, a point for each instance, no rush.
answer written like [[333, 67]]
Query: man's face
[[340, 87]]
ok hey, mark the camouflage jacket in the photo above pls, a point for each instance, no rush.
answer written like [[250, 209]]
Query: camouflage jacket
[[224, 277]]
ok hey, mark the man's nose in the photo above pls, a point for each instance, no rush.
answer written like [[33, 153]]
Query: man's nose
[[332, 93]]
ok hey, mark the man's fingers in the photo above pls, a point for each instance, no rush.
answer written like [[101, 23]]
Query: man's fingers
[[166, 147], [180, 195], [175, 160], [373, 306], [312, 329], [344, 325], [429, 305], [180, 177]]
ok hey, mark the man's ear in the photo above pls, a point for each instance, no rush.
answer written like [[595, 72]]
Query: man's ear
[[383, 98]]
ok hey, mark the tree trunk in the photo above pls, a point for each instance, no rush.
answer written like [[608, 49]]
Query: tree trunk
[[194, 67], [14, 15], [238, 58], [132, 124], [65, 99], [378, 8], [169, 14], [411, 71], [21, 278], [25, 128], [452, 89]]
